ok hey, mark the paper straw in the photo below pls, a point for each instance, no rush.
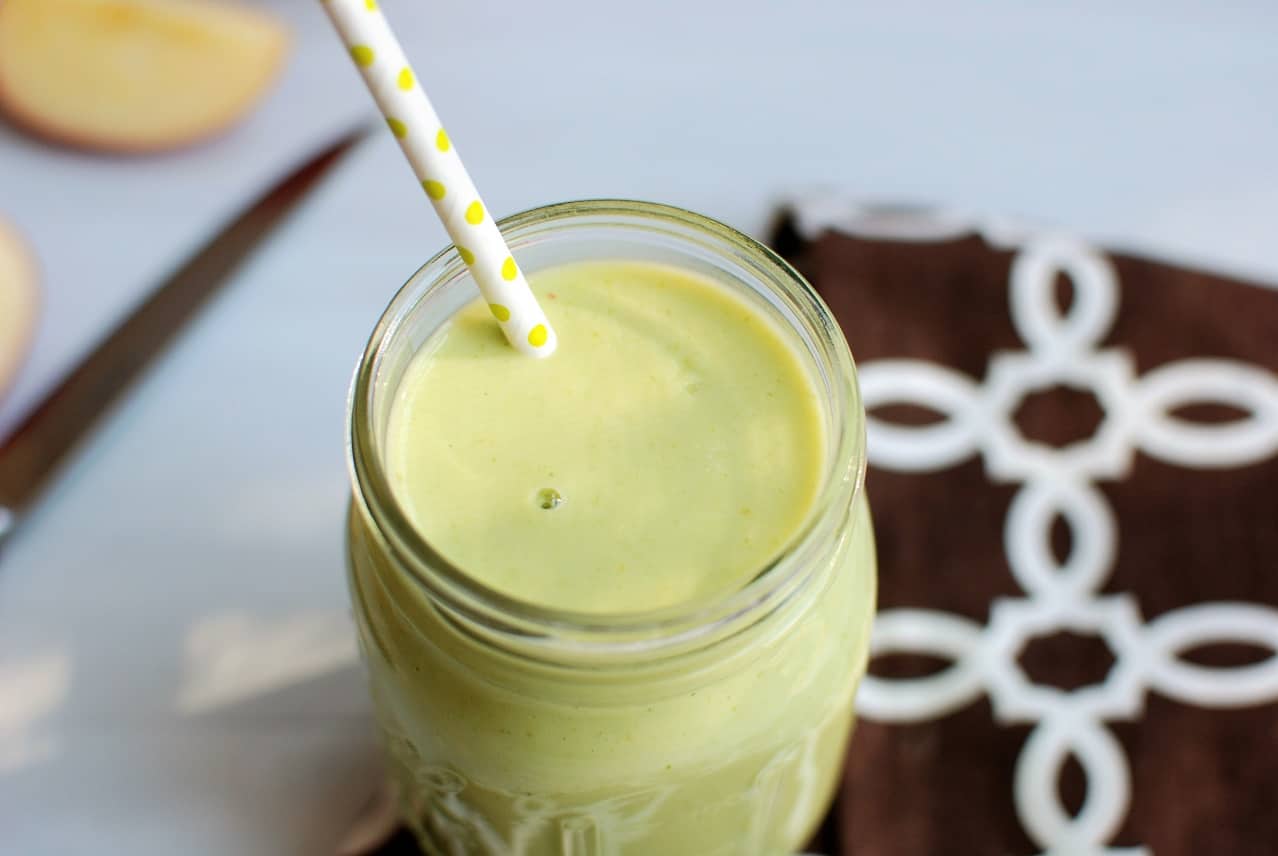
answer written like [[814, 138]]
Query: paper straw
[[434, 160]]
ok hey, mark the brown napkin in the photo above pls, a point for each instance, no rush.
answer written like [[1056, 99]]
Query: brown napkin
[[1154, 426], [1121, 659]]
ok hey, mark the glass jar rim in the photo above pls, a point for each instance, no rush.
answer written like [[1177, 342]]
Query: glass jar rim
[[497, 614]]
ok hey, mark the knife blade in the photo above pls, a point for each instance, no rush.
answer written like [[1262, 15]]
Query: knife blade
[[31, 455]]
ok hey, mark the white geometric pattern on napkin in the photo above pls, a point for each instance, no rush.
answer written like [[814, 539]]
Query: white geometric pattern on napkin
[[978, 419]]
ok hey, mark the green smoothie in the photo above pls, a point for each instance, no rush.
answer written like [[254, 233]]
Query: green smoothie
[[666, 453], [674, 446]]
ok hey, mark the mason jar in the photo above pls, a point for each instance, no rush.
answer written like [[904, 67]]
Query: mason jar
[[713, 729]]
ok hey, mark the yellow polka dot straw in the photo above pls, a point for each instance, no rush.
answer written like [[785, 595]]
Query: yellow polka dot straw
[[412, 120]]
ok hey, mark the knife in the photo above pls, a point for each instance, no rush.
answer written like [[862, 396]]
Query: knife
[[31, 455]]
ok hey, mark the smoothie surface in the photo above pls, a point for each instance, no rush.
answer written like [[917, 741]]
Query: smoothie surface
[[667, 452]]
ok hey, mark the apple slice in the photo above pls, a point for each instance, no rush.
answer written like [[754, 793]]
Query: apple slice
[[19, 303], [134, 75]]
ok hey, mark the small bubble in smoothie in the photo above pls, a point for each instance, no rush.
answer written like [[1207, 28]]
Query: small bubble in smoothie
[[549, 498]]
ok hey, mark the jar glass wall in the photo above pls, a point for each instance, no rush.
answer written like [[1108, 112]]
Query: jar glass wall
[[715, 727]]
